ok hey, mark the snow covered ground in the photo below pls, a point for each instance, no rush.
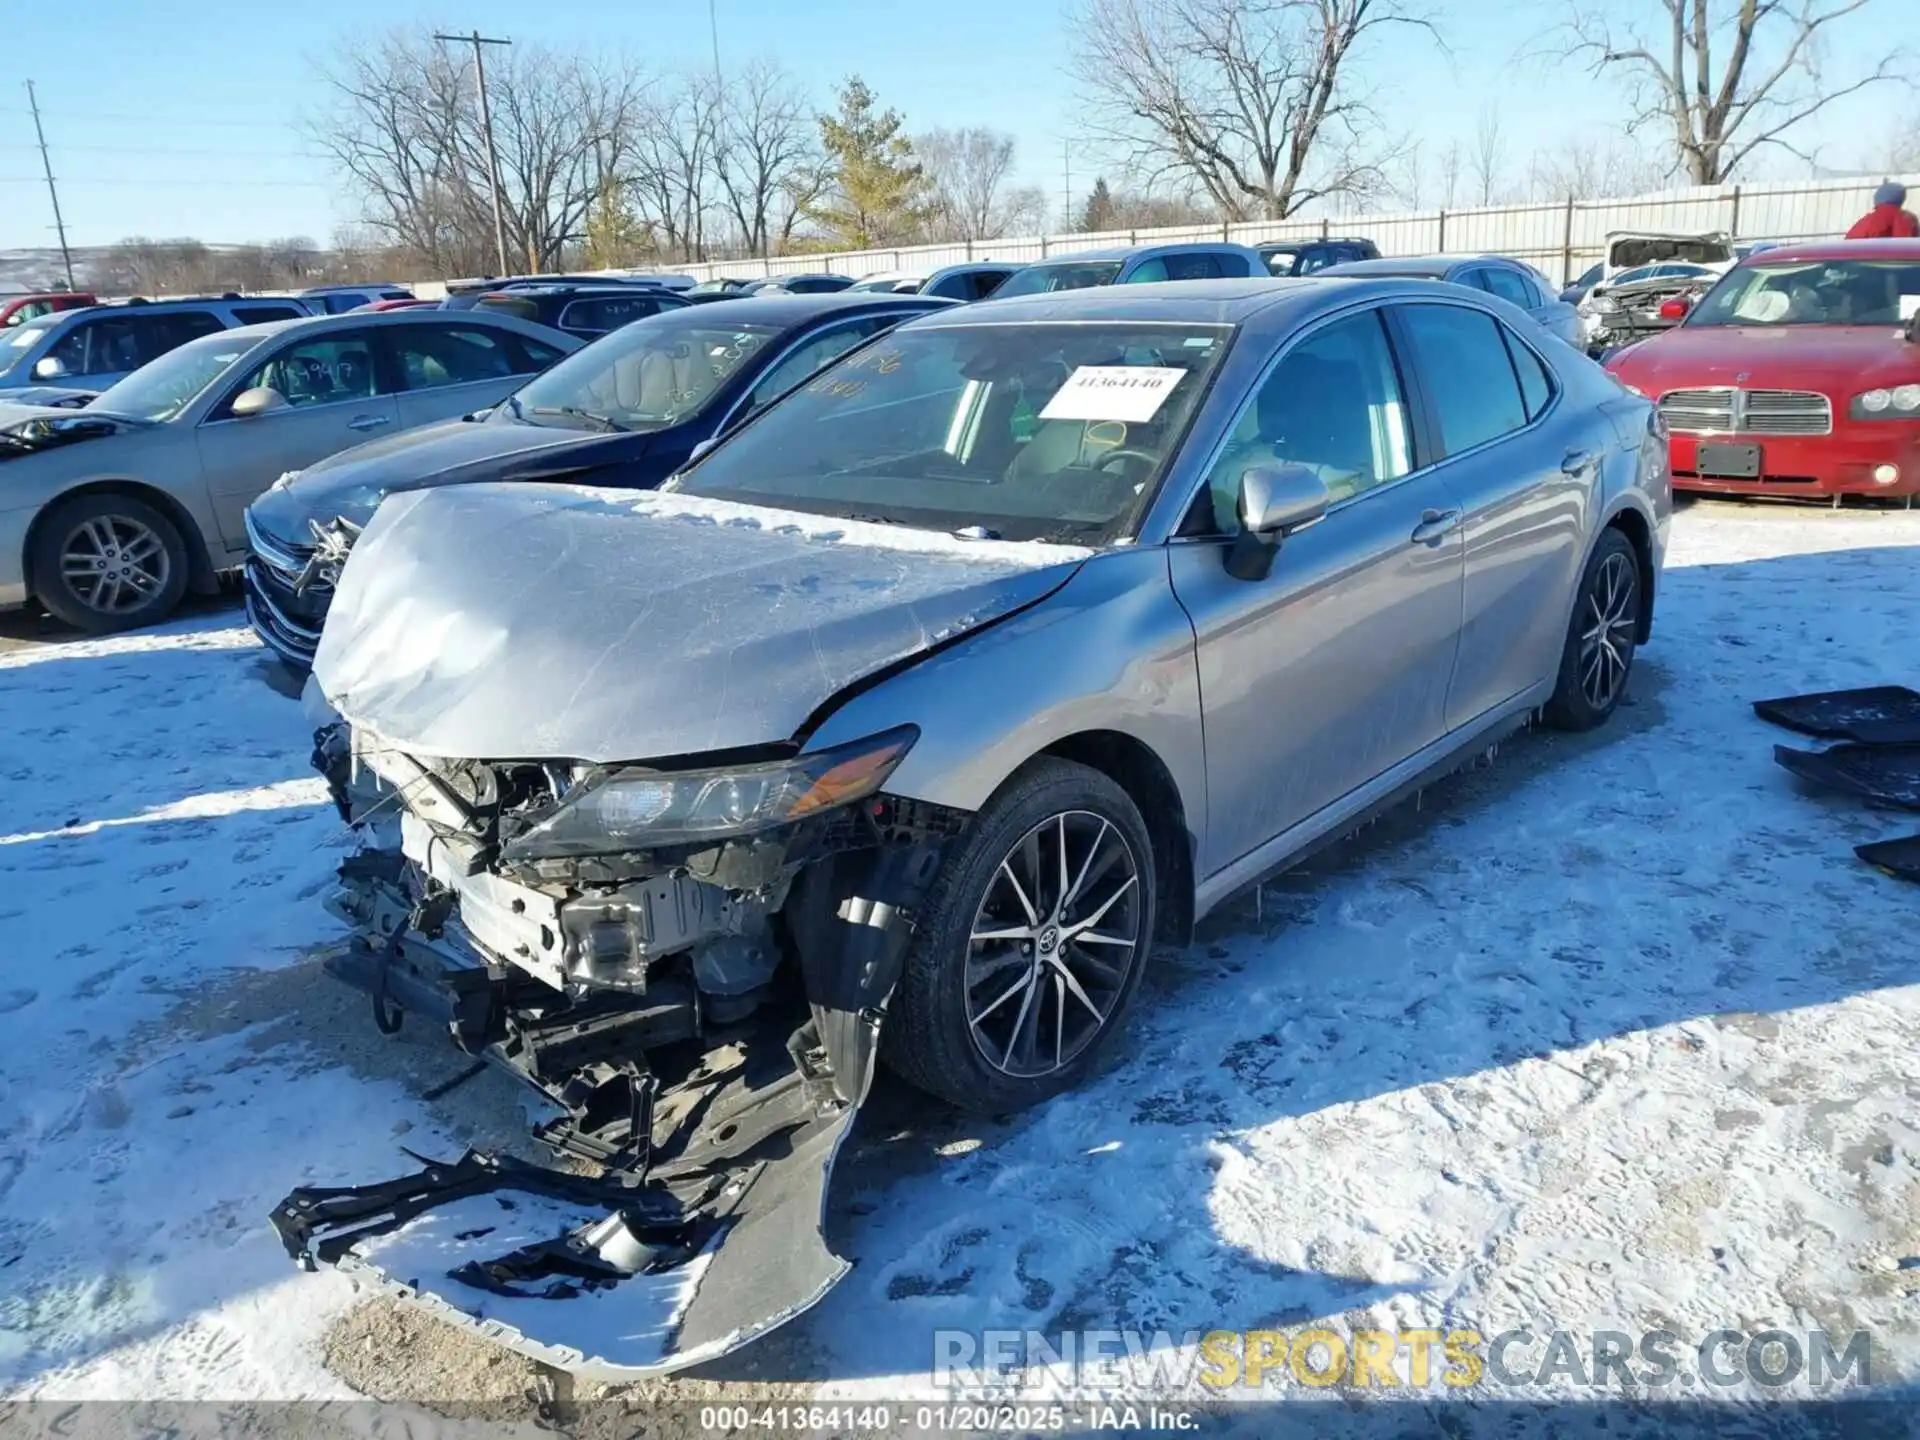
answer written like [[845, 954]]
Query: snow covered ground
[[1613, 1034]]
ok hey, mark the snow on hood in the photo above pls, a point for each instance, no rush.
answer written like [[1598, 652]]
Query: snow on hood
[[543, 621]]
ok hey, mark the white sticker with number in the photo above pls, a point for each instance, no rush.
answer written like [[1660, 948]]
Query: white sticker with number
[[1113, 392]]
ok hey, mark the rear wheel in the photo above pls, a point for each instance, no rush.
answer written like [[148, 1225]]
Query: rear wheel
[[1598, 656], [108, 562], [1033, 944]]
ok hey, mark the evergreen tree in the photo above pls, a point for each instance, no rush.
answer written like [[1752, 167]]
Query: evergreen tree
[[876, 190], [1099, 212]]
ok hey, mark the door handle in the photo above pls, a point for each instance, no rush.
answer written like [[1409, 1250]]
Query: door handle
[[368, 422], [1576, 462], [1435, 526]]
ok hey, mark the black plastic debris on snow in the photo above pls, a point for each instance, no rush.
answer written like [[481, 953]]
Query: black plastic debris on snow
[[1899, 858], [1876, 715], [1889, 774]]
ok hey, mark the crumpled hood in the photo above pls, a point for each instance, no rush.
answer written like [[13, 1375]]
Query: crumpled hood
[[545, 621], [1840, 360], [452, 452]]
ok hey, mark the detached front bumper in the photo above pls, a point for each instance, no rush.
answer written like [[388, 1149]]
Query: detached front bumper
[[714, 1155], [1845, 462], [698, 1137]]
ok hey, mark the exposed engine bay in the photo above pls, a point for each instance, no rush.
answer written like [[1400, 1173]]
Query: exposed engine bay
[[702, 1016]]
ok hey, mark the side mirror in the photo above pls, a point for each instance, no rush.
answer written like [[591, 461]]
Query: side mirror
[[49, 367], [1676, 308], [1275, 501], [257, 401]]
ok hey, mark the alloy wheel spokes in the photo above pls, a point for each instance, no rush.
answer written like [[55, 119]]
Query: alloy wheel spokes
[[1607, 643], [1058, 930], [114, 563]]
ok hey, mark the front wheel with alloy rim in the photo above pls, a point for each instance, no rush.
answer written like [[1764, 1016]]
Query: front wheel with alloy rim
[[1598, 656], [108, 562], [1032, 943]]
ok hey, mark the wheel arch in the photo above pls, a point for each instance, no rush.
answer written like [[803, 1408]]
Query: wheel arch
[[1132, 765], [1639, 532], [200, 567]]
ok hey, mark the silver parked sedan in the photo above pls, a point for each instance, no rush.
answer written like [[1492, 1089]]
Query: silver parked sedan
[[907, 720], [110, 512]]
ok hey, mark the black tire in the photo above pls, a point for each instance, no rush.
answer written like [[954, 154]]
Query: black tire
[[930, 1037], [1597, 661], [137, 591]]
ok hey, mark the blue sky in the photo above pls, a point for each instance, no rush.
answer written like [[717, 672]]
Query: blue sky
[[165, 126]]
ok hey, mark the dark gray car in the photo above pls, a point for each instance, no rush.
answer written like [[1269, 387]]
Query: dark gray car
[[909, 719]]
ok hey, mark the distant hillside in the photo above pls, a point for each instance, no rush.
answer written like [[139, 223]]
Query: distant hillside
[[37, 269]]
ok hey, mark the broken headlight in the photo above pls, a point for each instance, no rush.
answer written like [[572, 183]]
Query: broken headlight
[[647, 810]]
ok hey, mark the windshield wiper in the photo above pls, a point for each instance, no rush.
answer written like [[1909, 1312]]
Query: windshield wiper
[[605, 422]]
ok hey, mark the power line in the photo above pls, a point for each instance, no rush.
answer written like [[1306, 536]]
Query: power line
[[178, 150], [53, 194], [163, 182]]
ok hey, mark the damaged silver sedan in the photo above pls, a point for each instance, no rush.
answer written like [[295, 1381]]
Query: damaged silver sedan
[[901, 726]]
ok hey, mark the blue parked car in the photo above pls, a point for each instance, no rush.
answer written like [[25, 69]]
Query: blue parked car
[[627, 410], [1136, 265]]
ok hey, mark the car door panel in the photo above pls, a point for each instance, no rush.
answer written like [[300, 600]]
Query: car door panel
[[242, 457], [1328, 672], [1335, 666], [1518, 466]]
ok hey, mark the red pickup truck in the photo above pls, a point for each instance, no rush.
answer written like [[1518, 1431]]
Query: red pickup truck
[[18, 309]]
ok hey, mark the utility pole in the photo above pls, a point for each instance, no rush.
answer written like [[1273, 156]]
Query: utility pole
[[1066, 184], [53, 194], [479, 41]]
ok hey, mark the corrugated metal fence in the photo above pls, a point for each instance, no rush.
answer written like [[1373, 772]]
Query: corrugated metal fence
[[1560, 237]]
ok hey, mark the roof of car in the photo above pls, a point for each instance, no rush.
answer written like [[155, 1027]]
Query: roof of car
[[783, 308], [1840, 250], [384, 319], [578, 289], [1129, 252], [1263, 246], [1426, 266]]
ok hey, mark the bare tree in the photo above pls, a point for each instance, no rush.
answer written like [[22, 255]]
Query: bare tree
[[967, 172], [404, 126], [767, 159], [672, 171], [1450, 163], [1725, 78], [1582, 169], [1250, 99], [1488, 157]]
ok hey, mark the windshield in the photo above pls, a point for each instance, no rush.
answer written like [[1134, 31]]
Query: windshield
[[1040, 279], [16, 347], [644, 376], [1029, 432], [1814, 292], [163, 388]]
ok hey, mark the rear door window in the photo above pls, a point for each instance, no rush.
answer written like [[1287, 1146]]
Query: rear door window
[[1195, 267], [602, 313], [263, 314], [1510, 286], [427, 357], [1465, 373]]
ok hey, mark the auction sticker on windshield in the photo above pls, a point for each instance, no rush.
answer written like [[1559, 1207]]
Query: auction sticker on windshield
[[1113, 392]]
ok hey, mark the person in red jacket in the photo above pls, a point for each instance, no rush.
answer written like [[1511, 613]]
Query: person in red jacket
[[1887, 220]]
